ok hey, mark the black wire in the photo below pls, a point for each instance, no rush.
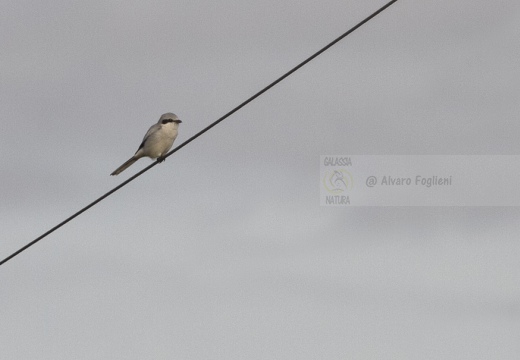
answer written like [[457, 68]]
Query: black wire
[[200, 132]]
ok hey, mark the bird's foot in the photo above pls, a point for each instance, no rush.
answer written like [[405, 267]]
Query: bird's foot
[[160, 159]]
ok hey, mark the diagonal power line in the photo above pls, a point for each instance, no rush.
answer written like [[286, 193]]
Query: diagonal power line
[[216, 122]]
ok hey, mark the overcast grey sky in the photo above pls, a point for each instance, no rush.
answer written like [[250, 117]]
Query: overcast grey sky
[[223, 251]]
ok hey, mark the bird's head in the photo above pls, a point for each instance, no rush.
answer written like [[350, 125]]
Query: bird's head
[[169, 118]]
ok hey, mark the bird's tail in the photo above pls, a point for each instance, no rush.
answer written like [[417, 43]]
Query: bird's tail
[[123, 167]]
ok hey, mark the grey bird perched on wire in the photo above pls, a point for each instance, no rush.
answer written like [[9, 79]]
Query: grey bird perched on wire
[[157, 141]]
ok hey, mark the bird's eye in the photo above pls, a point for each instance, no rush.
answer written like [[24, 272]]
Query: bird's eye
[[166, 121]]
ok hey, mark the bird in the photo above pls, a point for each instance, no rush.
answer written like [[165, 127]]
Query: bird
[[157, 141]]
